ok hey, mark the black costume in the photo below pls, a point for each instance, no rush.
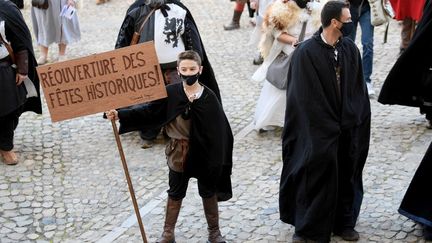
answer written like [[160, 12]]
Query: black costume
[[409, 82], [325, 139], [210, 143], [134, 18], [13, 99], [417, 202], [191, 37]]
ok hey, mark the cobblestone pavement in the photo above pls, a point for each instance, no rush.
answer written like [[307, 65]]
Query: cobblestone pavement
[[70, 186]]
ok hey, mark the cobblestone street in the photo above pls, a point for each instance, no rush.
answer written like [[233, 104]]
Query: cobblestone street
[[70, 186]]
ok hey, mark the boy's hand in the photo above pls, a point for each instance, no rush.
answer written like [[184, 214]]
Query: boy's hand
[[112, 115]]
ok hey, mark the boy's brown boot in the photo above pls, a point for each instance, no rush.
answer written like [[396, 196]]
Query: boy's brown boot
[[212, 216], [9, 157], [172, 212]]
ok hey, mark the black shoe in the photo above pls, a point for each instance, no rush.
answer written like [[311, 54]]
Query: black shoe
[[298, 239], [427, 233], [348, 234], [258, 60]]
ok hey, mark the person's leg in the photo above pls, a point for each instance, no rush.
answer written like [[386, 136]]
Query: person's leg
[[8, 125], [427, 233], [352, 154], [207, 191], [367, 39], [354, 18], [235, 22], [62, 52], [44, 55], [177, 191], [407, 31]]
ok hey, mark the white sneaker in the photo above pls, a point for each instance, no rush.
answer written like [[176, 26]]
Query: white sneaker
[[42, 60], [370, 89]]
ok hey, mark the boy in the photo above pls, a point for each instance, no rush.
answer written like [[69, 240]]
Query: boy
[[200, 144]]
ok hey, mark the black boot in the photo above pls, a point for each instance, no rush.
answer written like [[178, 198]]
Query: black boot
[[212, 216], [172, 212], [235, 22], [427, 233]]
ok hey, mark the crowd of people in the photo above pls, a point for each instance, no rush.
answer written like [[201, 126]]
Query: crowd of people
[[323, 104]]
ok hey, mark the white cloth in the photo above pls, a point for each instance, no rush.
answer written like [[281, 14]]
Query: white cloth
[[259, 19], [270, 109], [168, 32], [50, 28], [3, 51]]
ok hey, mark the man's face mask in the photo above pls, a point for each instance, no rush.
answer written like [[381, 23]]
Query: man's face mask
[[301, 3], [190, 79], [346, 28]]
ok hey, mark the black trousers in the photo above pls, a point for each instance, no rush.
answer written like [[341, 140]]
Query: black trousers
[[178, 183], [8, 124]]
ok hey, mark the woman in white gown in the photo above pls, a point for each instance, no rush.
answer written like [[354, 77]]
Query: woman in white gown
[[282, 26]]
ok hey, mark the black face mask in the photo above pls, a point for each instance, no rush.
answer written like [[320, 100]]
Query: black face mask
[[346, 28], [190, 79], [301, 3]]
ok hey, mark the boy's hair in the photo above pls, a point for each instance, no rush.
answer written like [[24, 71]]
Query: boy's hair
[[189, 55], [332, 10]]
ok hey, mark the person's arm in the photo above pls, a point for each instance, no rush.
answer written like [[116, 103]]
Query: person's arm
[[21, 55], [143, 114], [21, 59], [287, 39]]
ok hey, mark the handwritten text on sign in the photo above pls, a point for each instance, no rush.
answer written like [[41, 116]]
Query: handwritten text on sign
[[101, 82]]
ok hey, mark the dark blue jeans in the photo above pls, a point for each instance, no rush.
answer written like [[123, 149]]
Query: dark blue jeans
[[363, 17]]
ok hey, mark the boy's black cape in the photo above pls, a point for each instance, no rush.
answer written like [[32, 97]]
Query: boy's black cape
[[210, 141]]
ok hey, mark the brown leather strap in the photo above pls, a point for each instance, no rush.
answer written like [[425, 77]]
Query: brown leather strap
[[137, 34], [9, 49], [303, 32]]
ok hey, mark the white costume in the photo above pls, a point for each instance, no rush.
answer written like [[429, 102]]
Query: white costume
[[280, 18]]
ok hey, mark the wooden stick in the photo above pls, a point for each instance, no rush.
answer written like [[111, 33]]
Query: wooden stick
[[126, 171]]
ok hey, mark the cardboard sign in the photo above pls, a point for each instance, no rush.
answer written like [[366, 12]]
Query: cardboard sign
[[102, 82]]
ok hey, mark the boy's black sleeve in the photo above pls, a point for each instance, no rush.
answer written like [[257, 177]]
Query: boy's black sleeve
[[143, 116]]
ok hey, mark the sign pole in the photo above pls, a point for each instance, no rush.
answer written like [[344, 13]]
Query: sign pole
[[126, 171]]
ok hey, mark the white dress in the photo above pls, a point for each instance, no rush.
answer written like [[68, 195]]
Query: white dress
[[50, 28], [270, 109]]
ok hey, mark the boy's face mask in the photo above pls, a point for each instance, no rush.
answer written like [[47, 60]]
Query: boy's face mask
[[190, 79]]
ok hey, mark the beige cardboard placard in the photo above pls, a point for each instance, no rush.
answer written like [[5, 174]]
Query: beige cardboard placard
[[102, 82]]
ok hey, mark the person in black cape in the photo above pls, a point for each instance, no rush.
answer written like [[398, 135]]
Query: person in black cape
[[187, 34], [417, 202], [325, 140], [16, 35], [409, 82], [201, 142]]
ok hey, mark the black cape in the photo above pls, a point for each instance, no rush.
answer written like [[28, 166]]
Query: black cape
[[192, 39], [417, 202], [326, 134], [409, 82], [211, 139], [19, 36]]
